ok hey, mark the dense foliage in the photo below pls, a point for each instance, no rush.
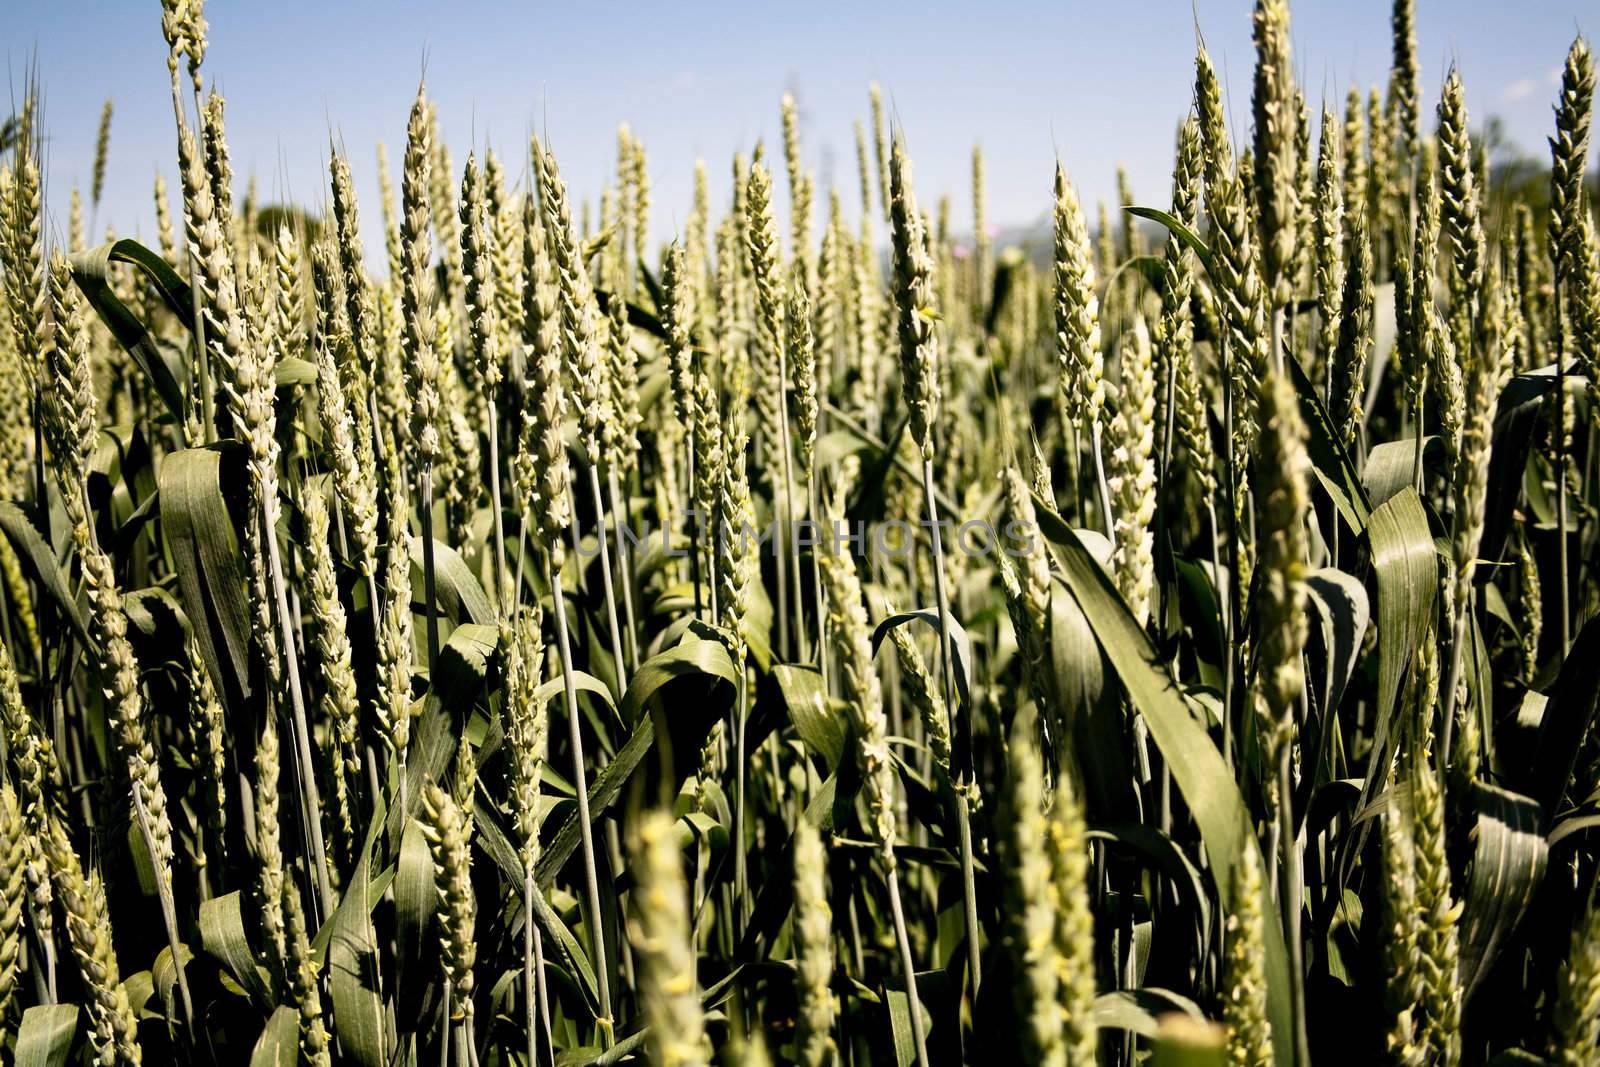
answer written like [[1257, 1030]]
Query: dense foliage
[[391, 673]]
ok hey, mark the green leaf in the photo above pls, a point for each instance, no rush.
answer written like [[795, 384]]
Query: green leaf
[[1391, 464], [165, 976], [1179, 230], [464, 663], [1136, 1010], [1519, 414], [461, 598], [414, 896], [1165, 856], [1181, 1042], [195, 485], [168, 284], [1340, 604], [222, 935], [1568, 718], [693, 655], [1329, 460], [696, 655], [1088, 706], [1508, 866], [352, 964], [292, 370], [40, 563], [960, 645], [808, 706], [45, 1036], [776, 896], [1197, 766], [1406, 567], [91, 270], [568, 949], [279, 1043]]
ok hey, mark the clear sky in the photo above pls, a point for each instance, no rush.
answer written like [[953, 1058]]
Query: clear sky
[[1099, 82]]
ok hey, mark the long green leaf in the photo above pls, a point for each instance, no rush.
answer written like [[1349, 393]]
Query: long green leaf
[[1340, 604], [279, 1043], [1406, 568], [703, 656], [204, 545], [223, 936], [45, 1037], [40, 564], [91, 270], [813, 719], [1178, 228], [352, 964], [1197, 766], [1329, 461], [461, 597], [1508, 864]]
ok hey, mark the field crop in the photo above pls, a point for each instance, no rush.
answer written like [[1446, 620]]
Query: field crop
[[1169, 641]]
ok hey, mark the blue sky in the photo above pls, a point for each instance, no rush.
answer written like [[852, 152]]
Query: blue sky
[[1099, 82]]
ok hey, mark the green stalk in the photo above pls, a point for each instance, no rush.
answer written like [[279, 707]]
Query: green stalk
[[1100, 482], [427, 571], [813, 494], [780, 553], [619, 516], [535, 995], [908, 965], [580, 783], [969, 891], [1289, 898], [605, 578], [169, 909], [741, 877], [1563, 594], [202, 360], [302, 730], [694, 554], [791, 549], [501, 593]]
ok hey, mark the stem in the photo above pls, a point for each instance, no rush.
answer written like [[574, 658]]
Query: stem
[[1452, 676], [1289, 898], [741, 876], [694, 541], [779, 550], [580, 782], [47, 948], [963, 772], [530, 986], [913, 1001], [780, 554], [302, 731], [444, 1040], [169, 909], [813, 494], [787, 526], [605, 577], [544, 996], [1416, 462], [1561, 475], [1100, 480], [501, 599], [1227, 633], [427, 572], [202, 360], [619, 516]]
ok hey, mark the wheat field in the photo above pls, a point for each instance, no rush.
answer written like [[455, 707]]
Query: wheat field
[[1171, 640]]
